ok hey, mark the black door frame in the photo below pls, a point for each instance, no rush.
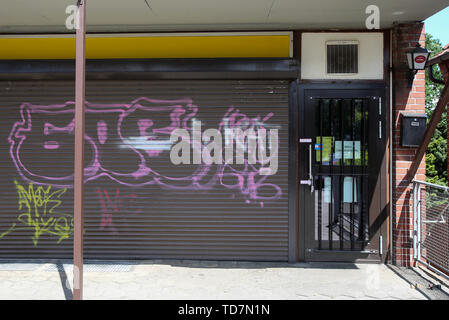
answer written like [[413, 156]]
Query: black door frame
[[378, 223]]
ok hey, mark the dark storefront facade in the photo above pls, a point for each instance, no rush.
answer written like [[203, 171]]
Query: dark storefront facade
[[139, 205], [330, 193]]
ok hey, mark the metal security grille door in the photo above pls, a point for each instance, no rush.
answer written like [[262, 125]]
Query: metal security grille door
[[138, 204], [343, 136], [341, 173]]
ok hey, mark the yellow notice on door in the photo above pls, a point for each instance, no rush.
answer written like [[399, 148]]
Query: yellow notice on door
[[325, 148]]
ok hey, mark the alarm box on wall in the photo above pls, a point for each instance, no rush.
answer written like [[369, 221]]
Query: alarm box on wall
[[413, 127]]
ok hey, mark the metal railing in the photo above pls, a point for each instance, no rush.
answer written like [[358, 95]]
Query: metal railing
[[431, 226]]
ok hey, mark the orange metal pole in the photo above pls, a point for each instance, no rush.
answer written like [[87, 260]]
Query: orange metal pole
[[80, 79]]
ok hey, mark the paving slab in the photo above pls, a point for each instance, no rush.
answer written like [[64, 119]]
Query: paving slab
[[199, 280]]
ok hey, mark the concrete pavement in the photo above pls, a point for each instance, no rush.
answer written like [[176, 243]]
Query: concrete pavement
[[195, 280]]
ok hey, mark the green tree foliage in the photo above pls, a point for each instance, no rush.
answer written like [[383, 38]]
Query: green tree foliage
[[436, 155]]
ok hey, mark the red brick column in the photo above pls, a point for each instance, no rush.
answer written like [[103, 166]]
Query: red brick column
[[406, 99]]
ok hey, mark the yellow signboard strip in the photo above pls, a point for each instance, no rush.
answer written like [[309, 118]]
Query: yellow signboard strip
[[127, 47]]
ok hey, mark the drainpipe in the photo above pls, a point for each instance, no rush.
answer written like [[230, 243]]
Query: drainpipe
[[391, 146]]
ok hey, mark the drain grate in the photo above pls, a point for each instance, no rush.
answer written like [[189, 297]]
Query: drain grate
[[102, 267]]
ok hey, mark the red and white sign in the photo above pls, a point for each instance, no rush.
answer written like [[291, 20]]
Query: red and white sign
[[420, 59]]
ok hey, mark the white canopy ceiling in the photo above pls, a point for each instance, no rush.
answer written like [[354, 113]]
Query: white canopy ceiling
[[48, 16]]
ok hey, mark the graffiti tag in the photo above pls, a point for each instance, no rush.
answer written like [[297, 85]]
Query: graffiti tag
[[140, 131], [38, 213], [111, 205]]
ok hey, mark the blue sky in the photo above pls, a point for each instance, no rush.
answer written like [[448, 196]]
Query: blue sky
[[438, 26]]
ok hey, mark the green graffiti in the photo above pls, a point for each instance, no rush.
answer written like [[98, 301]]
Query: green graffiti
[[38, 213]]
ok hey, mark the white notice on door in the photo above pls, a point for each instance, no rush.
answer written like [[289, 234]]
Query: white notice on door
[[327, 190], [349, 190], [349, 146]]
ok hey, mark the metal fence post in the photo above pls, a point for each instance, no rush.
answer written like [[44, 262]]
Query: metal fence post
[[418, 221], [415, 222]]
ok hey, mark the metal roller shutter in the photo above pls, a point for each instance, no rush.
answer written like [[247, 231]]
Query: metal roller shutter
[[138, 205]]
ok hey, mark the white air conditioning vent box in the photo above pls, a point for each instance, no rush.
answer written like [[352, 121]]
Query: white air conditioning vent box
[[342, 56]]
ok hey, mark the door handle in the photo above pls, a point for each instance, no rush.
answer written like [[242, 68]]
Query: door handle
[[310, 169], [309, 181]]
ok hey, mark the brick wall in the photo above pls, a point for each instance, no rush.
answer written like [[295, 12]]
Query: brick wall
[[405, 37]]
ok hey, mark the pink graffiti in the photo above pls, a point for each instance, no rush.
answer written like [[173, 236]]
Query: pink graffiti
[[51, 145], [43, 125], [144, 125], [111, 206], [249, 183], [234, 119], [36, 123], [102, 131]]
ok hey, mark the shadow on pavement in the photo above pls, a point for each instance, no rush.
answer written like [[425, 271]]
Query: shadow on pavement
[[192, 264], [420, 284], [64, 282], [248, 264]]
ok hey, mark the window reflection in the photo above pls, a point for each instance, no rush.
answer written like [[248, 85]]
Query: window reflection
[[337, 199], [341, 132]]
